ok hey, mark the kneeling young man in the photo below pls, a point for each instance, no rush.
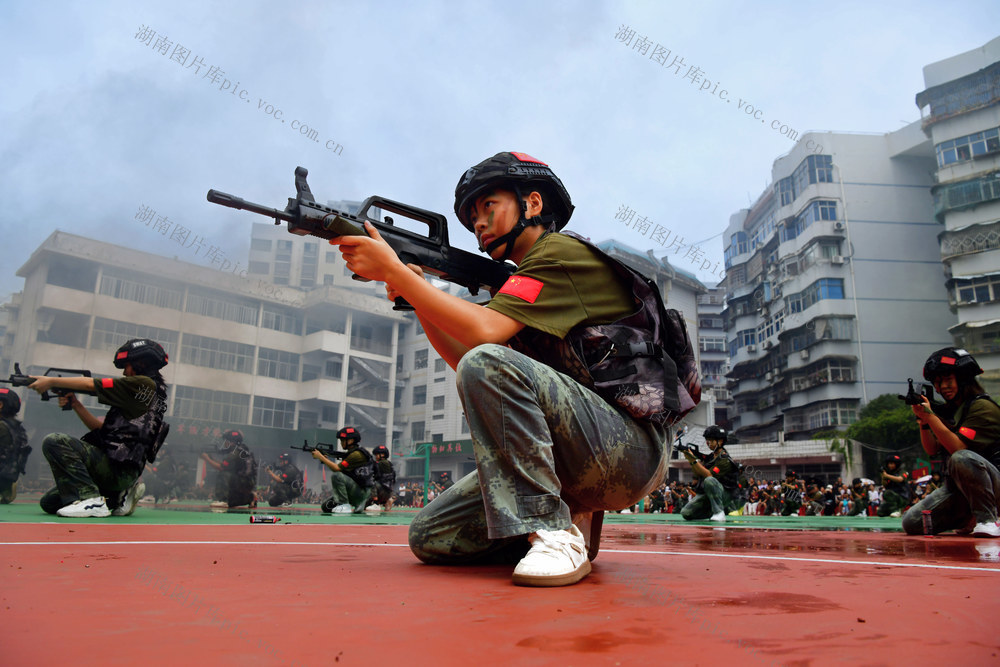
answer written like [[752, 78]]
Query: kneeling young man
[[719, 480], [105, 465], [969, 499], [551, 454]]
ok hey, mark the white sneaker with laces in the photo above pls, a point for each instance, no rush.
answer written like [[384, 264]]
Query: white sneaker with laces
[[718, 516], [556, 558], [373, 508], [343, 509], [985, 529], [89, 507], [130, 500]]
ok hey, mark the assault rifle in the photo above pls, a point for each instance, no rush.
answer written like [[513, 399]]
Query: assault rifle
[[19, 379], [432, 252], [913, 398], [325, 448]]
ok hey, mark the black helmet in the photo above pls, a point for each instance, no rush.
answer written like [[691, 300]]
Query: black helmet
[[284, 458], [790, 473], [350, 434], [715, 432], [513, 170], [142, 353], [381, 449], [10, 402], [893, 458], [233, 436], [856, 481], [951, 361]]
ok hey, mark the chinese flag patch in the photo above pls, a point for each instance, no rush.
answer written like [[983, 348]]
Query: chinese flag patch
[[948, 360], [716, 470], [522, 287], [524, 157], [107, 383], [967, 432]]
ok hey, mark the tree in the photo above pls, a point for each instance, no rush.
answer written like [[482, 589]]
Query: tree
[[887, 425]]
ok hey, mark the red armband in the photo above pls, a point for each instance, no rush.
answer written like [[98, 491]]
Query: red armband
[[343, 463], [967, 432], [107, 383]]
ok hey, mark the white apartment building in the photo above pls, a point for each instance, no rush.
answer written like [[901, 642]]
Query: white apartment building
[[961, 116], [281, 366], [832, 283]]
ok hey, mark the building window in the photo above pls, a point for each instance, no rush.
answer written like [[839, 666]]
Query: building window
[[977, 290], [278, 364], [260, 244], [280, 319], [438, 403], [968, 147], [420, 359], [121, 285], [440, 365], [110, 334], [222, 407], [259, 268], [273, 412], [221, 306], [417, 431], [224, 355], [420, 395]]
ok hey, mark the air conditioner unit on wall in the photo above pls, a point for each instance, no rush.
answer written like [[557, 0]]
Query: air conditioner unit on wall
[[751, 348], [768, 345], [768, 376], [837, 259], [838, 226], [804, 354]]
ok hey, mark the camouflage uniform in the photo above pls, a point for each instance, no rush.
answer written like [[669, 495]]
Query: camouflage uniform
[[546, 448], [83, 470], [350, 487]]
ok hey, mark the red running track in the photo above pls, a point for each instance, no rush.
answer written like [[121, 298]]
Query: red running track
[[87, 594]]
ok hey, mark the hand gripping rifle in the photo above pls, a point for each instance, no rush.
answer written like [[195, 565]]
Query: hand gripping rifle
[[432, 253], [325, 448], [19, 379]]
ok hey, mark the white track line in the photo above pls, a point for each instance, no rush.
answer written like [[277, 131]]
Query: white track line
[[705, 554]]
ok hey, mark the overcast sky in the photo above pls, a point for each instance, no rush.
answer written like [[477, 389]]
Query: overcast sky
[[99, 118]]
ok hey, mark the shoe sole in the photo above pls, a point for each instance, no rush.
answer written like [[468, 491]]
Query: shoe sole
[[540, 581]]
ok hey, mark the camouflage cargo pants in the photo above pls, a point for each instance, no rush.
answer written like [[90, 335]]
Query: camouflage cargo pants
[[713, 499], [546, 448], [346, 492], [82, 471]]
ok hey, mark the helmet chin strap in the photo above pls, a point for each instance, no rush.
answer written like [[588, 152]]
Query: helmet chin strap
[[510, 237]]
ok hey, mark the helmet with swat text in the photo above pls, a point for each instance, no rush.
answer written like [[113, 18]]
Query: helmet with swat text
[[142, 353]]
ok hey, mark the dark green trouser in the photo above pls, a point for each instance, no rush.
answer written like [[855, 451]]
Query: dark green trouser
[[346, 492], [791, 507], [715, 499], [82, 471], [891, 502]]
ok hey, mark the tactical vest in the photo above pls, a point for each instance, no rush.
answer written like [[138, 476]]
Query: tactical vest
[[643, 362], [385, 474], [131, 440], [12, 463], [364, 474]]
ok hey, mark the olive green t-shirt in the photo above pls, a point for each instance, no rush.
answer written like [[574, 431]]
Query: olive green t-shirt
[[979, 427], [561, 283], [132, 395]]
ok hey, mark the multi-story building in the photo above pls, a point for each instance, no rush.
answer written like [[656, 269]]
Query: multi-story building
[[282, 366], [961, 115], [713, 351], [832, 294]]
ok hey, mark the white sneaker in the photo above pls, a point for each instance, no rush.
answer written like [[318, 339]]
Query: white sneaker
[[986, 529], [556, 558], [373, 508], [95, 507], [131, 498], [343, 509], [718, 516], [896, 515], [219, 504]]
